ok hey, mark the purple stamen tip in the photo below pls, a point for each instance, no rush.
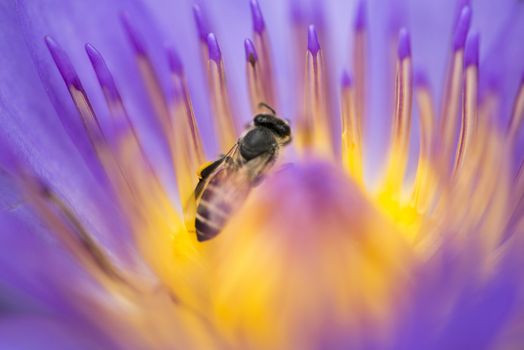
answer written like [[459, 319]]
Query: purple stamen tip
[[420, 79], [313, 45], [404, 44], [102, 71], [133, 35], [63, 63], [201, 23], [471, 55], [346, 80], [258, 20], [360, 18], [461, 31], [251, 52], [175, 63], [461, 4], [213, 48]]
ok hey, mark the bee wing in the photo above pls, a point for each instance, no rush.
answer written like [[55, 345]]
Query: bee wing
[[206, 173], [225, 192], [256, 168], [214, 167], [230, 184]]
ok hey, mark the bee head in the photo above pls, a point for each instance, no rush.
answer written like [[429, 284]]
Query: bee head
[[278, 126]]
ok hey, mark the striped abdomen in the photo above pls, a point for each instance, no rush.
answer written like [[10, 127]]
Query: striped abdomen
[[215, 205]]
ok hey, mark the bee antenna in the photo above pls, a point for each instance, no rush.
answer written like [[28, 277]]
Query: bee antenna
[[265, 105]]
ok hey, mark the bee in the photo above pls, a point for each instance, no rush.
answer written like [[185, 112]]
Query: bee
[[225, 183]]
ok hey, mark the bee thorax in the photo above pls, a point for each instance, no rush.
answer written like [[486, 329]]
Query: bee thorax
[[257, 141]]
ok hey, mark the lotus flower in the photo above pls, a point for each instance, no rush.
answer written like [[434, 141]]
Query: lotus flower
[[393, 220]]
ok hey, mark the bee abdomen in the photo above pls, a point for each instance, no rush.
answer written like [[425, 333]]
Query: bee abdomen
[[210, 218], [205, 230]]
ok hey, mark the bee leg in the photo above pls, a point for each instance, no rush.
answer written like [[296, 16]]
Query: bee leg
[[208, 168]]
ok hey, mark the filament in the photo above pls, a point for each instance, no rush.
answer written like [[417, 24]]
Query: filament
[[351, 131], [133, 176], [402, 117], [262, 44], [254, 77], [150, 77], [124, 140], [226, 127], [422, 188], [450, 103], [203, 29], [299, 41], [315, 128], [70, 231], [517, 115], [188, 154], [518, 184], [90, 122], [359, 60], [469, 103], [78, 94], [125, 146]]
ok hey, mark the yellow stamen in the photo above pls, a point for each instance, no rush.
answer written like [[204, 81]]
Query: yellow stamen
[[359, 68], [450, 109], [351, 134], [422, 190], [315, 128], [517, 116], [188, 152], [266, 68], [227, 130], [469, 116], [255, 85], [401, 128], [155, 92]]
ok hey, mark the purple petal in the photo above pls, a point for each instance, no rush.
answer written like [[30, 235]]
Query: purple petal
[[39, 332], [32, 129]]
